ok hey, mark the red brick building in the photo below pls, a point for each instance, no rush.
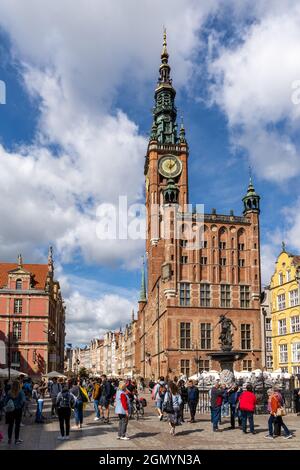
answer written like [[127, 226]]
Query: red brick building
[[190, 286], [32, 317]]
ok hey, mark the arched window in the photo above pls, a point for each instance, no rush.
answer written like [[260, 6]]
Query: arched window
[[19, 284]]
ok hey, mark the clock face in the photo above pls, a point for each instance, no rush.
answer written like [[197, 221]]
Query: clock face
[[170, 166]]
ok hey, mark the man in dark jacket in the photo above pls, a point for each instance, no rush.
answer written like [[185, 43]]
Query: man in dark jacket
[[233, 397], [192, 398], [182, 390], [216, 398], [105, 397]]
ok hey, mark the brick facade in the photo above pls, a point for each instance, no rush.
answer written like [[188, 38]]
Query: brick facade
[[190, 286], [32, 317]]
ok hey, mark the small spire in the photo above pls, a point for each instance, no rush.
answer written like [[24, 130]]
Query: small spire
[[164, 50], [20, 261], [283, 246], [164, 70], [143, 297], [50, 259], [132, 315], [182, 132]]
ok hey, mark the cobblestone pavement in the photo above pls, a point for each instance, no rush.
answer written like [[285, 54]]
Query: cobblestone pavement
[[149, 433]]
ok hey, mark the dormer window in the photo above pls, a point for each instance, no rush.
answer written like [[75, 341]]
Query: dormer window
[[19, 284]]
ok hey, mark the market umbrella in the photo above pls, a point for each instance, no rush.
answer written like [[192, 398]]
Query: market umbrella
[[53, 374], [4, 373]]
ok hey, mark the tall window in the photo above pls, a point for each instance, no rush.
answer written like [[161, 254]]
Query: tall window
[[19, 284], [241, 262], [185, 367], [185, 336], [295, 352], [204, 365], [223, 261], [294, 297], [184, 293], [184, 260], [203, 260], [281, 301], [268, 343], [245, 296], [247, 365], [280, 279], [282, 327], [296, 370], [18, 306], [16, 358], [268, 324], [205, 244], [222, 245], [288, 275], [295, 324], [283, 353], [17, 330], [269, 362], [241, 246], [205, 335], [204, 295], [183, 243], [245, 336], [225, 295]]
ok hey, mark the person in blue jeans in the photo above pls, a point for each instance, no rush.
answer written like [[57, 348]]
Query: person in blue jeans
[[216, 398], [78, 408], [275, 404], [96, 398], [37, 395]]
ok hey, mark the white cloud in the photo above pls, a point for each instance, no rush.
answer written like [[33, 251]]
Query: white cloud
[[59, 196], [90, 316], [76, 61], [253, 85]]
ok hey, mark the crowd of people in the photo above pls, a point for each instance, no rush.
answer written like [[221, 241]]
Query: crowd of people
[[171, 399], [67, 397], [235, 402]]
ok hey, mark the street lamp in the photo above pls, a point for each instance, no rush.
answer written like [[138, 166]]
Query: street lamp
[[264, 312], [196, 358]]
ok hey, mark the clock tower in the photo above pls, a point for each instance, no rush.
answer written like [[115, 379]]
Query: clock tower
[[166, 170]]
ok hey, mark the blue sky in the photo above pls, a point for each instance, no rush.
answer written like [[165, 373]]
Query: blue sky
[[73, 133]]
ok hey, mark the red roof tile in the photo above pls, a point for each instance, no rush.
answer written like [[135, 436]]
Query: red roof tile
[[38, 271]]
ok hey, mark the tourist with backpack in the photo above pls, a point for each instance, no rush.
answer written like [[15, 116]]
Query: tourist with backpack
[[65, 401], [122, 409], [81, 396], [158, 395], [171, 405], [105, 397], [54, 390], [13, 407]]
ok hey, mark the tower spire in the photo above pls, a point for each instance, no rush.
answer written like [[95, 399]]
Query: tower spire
[[20, 261], [164, 127], [143, 297], [251, 199]]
